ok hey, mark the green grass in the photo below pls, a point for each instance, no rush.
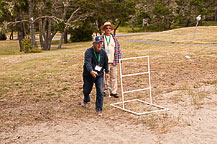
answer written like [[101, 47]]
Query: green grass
[[127, 29]]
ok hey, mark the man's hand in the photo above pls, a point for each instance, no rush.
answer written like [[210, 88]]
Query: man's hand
[[107, 76], [94, 74]]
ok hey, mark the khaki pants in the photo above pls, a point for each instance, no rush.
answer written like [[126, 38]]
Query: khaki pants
[[113, 78]]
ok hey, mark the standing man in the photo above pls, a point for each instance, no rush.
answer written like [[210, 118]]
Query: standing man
[[96, 60], [113, 50]]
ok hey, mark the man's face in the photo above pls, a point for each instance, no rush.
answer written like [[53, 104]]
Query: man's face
[[108, 29], [97, 46]]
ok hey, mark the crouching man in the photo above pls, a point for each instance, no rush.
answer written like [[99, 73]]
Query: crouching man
[[95, 62]]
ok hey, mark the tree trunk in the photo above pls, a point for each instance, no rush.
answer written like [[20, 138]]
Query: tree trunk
[[20, 34], [20, 38], [188, 22], [32, 29], [65, 37], [131, 24], [41, 34], [169, 27], [46, 35], [12, 34], [49, 37], [66, 27], [41, 31], [61, 41], [23, 25]]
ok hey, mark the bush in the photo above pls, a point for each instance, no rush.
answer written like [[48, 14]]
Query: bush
[[28, 48], [209, 23], [3, 36], [83, 33], [27, 45]]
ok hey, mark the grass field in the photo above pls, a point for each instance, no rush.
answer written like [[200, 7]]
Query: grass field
[[47, 86]]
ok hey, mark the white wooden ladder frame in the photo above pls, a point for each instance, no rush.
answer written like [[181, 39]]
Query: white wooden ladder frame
[[161, 108]]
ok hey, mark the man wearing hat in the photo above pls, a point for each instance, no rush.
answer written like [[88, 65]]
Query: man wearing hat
[[95, 62], [113, 50]]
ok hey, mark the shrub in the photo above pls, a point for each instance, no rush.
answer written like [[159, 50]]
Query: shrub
[[3, 36], [28, 48], [27, 45], [83, 33]]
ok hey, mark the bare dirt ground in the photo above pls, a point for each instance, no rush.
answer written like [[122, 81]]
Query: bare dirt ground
[[40, 97], [196, 126]]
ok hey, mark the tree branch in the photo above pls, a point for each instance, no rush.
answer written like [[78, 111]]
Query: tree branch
[[51, 17], [67, 23], [42, 17]]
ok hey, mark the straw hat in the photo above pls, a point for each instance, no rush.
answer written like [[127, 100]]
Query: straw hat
[[107, 24]]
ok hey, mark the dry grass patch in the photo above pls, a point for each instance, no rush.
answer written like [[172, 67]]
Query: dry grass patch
[[48, 86], [159, 123], [9, 47]]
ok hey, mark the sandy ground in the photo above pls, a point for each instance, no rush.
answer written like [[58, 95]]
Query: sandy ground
[[199, 128], [91, 131]]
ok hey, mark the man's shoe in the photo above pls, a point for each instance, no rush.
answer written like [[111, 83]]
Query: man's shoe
[[99, 113], [114, 95], [84, 104]]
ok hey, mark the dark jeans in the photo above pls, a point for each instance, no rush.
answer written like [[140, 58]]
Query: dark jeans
[[87, 88]]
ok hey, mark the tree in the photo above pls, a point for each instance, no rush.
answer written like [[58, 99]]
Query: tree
[[163, 15], [67, 26], [53, 17], [121, 11], [187, 10], [31, 23], [14, 13], [1, 13], [115, 11], [143, 10]]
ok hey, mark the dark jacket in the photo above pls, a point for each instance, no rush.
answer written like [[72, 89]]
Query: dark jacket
[[90, 62]]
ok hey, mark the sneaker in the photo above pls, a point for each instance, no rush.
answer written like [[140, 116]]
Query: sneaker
[[114, 95], [84, 104], [99, 113]]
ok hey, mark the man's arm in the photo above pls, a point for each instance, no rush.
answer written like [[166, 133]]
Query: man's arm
[[119, 50], [106, 67], [106, 64], [88, 64], [87, 60], [118, 53]]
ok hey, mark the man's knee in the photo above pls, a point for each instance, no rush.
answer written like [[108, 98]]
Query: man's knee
[[86, 90]]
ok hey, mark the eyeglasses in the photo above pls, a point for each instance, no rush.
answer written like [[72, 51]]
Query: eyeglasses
[[108, 28]]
